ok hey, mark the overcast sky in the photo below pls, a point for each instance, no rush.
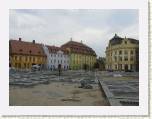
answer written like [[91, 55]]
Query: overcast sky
[[55, 27]]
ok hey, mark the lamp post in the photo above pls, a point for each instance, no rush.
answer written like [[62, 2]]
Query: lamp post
[[81, 65]]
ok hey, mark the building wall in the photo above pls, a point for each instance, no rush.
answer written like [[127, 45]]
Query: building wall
[[77, 61], [26, 62], [123, 56], [54, 59]]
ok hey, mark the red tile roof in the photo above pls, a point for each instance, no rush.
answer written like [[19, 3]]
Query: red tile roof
[[77, 47], [54, 49], [26, 48]]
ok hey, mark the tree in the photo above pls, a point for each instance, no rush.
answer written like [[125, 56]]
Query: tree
[[96, 65], [101, 63]]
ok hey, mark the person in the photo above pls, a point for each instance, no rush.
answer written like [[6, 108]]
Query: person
[[59, 68]]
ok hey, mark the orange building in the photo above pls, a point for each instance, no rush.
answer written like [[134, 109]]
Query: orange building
[[22, 55]]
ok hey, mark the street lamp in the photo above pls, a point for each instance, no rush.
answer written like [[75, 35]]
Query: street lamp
[[81, 63]]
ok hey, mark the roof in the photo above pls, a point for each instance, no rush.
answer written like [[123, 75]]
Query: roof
[[133, 41], [54, 49], [77, 47], [118, 40], [26, 48]]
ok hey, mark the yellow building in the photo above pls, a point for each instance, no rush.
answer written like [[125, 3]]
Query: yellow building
[[23, 55], [81, 56], [122, 54]]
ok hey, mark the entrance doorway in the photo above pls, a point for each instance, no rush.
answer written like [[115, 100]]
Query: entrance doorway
[[126, 67]]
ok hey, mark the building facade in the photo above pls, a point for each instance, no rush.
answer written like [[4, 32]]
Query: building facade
[[81, 56], [122, 54], [22, 55], [56, 56]]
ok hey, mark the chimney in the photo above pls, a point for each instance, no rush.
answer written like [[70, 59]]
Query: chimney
[[20, 39], [33, 41], [71, 39]]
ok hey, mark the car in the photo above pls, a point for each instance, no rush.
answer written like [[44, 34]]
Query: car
[[35, 68]]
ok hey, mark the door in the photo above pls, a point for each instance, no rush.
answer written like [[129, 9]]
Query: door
[[126, 67]]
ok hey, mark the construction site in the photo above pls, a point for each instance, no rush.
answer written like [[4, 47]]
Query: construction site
[[73, 88]]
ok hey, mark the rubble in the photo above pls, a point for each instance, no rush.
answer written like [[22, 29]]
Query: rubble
[[86, 84]]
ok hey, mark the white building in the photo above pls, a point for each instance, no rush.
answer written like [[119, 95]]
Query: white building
[[56, 56]]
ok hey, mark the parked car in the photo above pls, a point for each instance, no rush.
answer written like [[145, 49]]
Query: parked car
[[35, 68]]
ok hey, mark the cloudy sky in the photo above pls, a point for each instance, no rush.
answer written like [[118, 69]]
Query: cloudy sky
[[55, 27]]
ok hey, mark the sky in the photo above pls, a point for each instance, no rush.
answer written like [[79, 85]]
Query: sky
[[94, 27]]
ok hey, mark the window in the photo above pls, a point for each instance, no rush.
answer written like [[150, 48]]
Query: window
[[120, 58], [120, 66], [126, 58], [54, 61], [24, 65], [131, 66], [15, 57], [115, 66], [20, 58], [131, 52], [33, 59], [30, 58], [38, 59], [19, 65], [25, 58], [115, 58], [131, 58], [120, 52], [16, 65]]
